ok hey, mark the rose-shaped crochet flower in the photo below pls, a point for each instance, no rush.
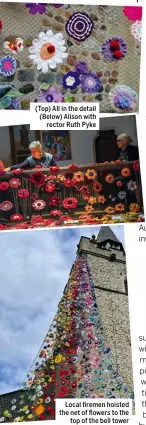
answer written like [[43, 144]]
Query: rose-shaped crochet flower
[[123, 98], [48, 51], [37, 178], [4, 186], [71, 80], [6, 206], [14, 47], [36, 8], [39, 204], [7, 65], [114, 49], [70, 203], [53, 94], [136, 30], [133, 13], [79, 26], [90, 83], [136, 165]]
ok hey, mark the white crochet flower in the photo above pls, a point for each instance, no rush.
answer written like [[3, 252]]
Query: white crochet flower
[[48, 51]]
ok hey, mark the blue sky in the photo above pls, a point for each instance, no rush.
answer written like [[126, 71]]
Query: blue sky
[[34, 271]]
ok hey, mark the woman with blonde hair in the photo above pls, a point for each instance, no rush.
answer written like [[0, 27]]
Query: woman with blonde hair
[[37, 157]]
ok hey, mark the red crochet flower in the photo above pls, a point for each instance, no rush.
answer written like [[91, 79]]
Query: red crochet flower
[[15, 183], [136, 165], [69, 182], [39, 204], [56, 213], [50, 187], [114, 44], [70, 203], [63, 392], [117, 54], [72, 166], [23, 193], [37, 178], [16, 217], [119, 183], [55, 168], [17, 172], [4, 186], [54, 201]]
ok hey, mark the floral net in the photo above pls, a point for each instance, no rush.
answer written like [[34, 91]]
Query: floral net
[[74, 361], [70, 53]]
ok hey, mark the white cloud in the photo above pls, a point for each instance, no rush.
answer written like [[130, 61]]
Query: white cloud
[[34, 271]]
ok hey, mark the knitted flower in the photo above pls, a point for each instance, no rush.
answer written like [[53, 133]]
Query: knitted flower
[[53, 94], [123, 98], [136, 30], [133, 13], [90, 83], [79, 26], [7, 65], [114, 49], [71, 80], [36, 8], [48, 51], [14, 47]]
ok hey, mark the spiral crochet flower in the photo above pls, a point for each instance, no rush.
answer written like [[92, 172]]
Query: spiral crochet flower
[[79, 26]]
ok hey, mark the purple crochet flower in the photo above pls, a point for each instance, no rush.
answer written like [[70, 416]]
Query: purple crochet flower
[[90, 83], [71, 80], [81, 67], [51, 95], [114, 49], [36, 8], [79, 26]]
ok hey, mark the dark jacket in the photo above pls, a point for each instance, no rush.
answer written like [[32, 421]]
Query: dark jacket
[[46, 161], [129, 154]]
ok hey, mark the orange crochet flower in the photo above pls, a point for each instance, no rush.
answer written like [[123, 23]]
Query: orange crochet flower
[[91, 174], [109, 210], [97, 187], [89, 208], [134, 208], [125, 172], [101, 199], [109, 178], [78, 176], [39, 410], [92, 200], [119, 207]]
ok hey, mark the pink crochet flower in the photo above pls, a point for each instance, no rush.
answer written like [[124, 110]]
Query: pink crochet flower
[[133, 13]]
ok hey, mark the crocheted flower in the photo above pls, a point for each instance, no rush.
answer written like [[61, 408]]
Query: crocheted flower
[[70, 203], [14, 47], [109, 210], [123, 98], [136, 165], [23, 193], [79, 176], [7, 65], [4, 186], [134, 207], [136, 30], [50, 187], [36, 8], [91, 174], [125, 172], [114, 49], [122, 194], [119, 207], [97, 187], [53, 94], [133, 13], [71, 80], [15, 183], [81, 67], [39, 204], [90, 83], [37, 178], [48, 51], [131, 185], [16, 217], [109, 178], [6, 206], [79, 26]]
